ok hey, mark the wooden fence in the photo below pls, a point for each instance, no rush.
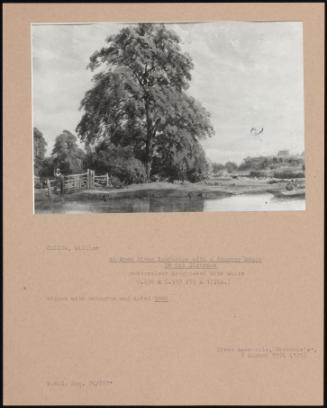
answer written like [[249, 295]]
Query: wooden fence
[[73, 182], [101, 181]]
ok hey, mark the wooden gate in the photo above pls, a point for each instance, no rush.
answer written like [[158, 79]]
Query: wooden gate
[[74, 182]]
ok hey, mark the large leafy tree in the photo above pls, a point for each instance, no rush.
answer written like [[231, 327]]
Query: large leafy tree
[[66, 154], [139, 96], [40, 146]]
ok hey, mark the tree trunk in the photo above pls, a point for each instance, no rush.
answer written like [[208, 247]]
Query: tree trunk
[[148, 171], [148, 158]]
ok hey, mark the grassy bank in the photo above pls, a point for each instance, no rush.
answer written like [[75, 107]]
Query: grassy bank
[[224, 188]]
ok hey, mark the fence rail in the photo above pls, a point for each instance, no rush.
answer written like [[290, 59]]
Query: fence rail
[[102, 181], [73, 182]]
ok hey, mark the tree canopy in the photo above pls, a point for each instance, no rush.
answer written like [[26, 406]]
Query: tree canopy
[[140, 100], [66, 154], [40, 147]]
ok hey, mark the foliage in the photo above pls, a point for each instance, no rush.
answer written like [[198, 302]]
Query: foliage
[[287, 174], [231, 167], [47, 169], [270, 162], [66, 154], [118, 161], [217, 167], [188, 163], [39, 145], [139, 99]]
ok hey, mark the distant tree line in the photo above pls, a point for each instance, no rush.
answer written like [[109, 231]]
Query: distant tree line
[[278, 166]]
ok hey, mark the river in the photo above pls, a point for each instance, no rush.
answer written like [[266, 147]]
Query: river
[[244, 202]]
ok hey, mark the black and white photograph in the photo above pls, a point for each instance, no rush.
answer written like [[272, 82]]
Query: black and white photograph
[[167, 117]]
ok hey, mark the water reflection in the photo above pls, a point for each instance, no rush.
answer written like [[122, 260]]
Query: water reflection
[[176, 205], [246, 202], [255, 202]]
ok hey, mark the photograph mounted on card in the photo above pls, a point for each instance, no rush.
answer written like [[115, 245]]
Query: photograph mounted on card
[[163, 204]]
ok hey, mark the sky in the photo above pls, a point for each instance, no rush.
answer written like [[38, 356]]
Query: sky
[[246, 74]]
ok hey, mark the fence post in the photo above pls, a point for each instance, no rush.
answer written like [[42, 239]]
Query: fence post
[[49, 188], [88, 179], [107, 180]]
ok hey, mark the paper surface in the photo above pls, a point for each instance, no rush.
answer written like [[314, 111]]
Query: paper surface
[[160, 308]]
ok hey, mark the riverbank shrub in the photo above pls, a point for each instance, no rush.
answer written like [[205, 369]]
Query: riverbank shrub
[[288, 174], [129, 171]]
